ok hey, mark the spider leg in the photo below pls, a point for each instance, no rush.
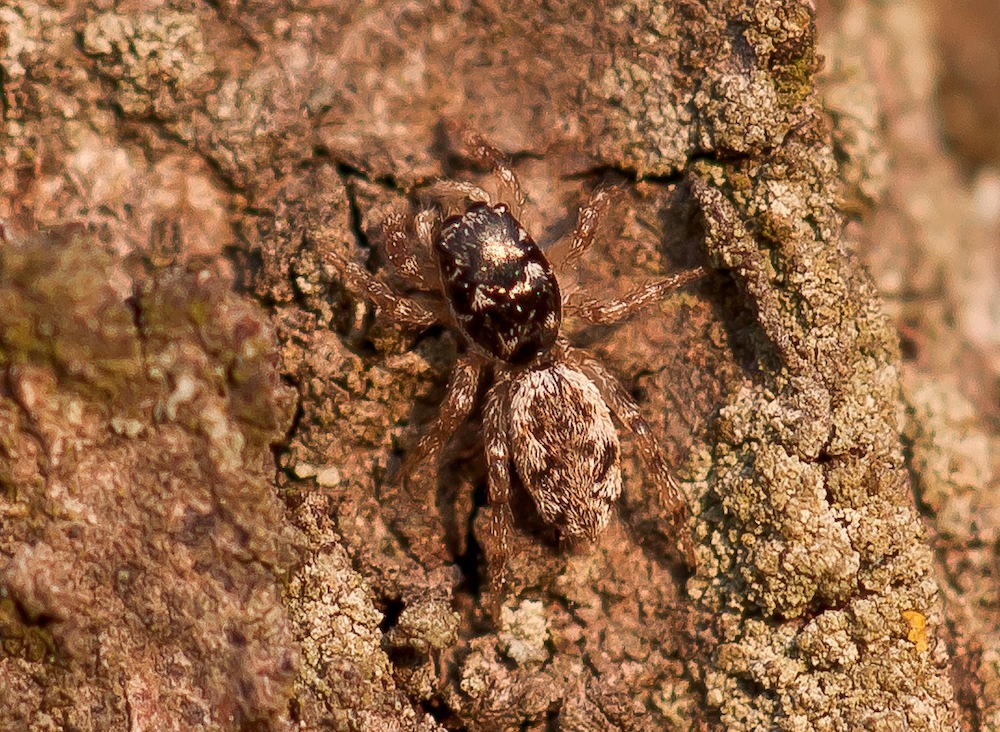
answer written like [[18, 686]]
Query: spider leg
[[565, 252], [497, 539], [478, 150], [426, 220], [455, 409], [359, 280], [615, 311], [403, 248], [627, 411], [452, 192]]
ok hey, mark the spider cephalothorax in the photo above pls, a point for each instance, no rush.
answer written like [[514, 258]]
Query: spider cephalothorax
[[548, 416], [500, 287]]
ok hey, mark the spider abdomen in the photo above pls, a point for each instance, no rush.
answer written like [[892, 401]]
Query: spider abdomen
[[565, 448], [501, 289]]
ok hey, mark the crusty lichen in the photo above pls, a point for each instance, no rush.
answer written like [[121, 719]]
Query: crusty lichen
[[929, 238], [345, 668], [953, 459], [824, 554], [295, 130], [754, 73], [523, 633]]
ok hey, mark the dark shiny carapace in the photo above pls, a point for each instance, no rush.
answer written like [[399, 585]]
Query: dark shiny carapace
[[501, 288]]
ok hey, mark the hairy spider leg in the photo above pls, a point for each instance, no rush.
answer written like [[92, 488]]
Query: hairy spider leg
[[627, 411], [569, 249], [403, 309], [449, 193], [608, 312], [402, 248], [459, 401], [477, 149], [498, 481], [427, 220]]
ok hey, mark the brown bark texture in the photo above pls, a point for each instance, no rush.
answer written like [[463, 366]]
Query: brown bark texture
[[199, 422]]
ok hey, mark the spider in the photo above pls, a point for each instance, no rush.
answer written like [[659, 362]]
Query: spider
[[548, 415]]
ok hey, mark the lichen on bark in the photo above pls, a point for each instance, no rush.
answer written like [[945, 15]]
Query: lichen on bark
[[200, 421]]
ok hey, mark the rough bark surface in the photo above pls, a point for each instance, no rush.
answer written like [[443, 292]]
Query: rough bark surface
[[197, 527]]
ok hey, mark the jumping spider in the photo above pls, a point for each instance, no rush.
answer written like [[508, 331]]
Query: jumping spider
[[548, 414]]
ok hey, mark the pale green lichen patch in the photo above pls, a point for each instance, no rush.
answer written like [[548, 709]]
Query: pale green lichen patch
[[250, 140], [352, 672], [523, 632], [57, 309], [729, 80], [823, 556]]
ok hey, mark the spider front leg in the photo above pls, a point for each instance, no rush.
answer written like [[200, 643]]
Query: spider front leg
[[609, 312], [627, 411], [478, 150], [402, 309], [452, 192], [565, 252], [407, 245]]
